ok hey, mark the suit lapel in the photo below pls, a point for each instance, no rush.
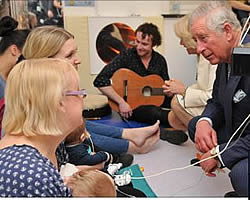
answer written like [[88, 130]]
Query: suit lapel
[[229, 93]]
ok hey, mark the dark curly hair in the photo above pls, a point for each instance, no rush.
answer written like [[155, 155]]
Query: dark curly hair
[[9, 35], [150, 29]]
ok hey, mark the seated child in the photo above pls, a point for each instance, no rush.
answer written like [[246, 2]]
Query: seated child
[[81, 150]]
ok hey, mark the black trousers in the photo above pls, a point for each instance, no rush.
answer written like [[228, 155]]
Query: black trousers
[[150, 114]]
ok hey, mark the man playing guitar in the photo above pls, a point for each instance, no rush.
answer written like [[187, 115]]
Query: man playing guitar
[[142, 60]]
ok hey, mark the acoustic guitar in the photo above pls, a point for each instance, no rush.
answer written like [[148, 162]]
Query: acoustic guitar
[[137, 90]]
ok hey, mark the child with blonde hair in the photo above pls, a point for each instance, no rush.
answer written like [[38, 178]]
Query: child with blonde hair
[[91, 183]]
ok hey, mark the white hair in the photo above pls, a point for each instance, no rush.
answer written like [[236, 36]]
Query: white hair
[[216, 13]]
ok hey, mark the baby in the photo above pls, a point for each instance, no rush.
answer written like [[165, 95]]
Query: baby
[[88, 183], [82, 151]]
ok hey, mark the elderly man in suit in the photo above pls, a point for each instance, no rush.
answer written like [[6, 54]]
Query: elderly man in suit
[[217, 31]]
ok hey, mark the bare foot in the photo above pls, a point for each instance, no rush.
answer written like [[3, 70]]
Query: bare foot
[[139, 135], [149, 143]]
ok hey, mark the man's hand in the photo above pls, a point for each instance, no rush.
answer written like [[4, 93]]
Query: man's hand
[[205, 136], [209, 166], [125, 109]]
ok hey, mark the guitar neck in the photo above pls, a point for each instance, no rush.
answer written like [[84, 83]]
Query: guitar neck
[[157, 92]]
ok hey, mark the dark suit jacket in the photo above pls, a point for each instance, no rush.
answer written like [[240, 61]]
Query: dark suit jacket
[[227, 115]]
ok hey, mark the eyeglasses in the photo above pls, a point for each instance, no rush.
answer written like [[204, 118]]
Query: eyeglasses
[[82, 93]]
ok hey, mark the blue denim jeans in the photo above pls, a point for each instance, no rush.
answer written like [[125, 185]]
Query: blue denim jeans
[[107, 138]]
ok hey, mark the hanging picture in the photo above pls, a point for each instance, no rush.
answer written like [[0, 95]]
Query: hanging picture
[[108, 36]]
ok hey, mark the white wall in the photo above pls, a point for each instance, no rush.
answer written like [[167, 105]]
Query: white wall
[[143, 8], [121, 8]]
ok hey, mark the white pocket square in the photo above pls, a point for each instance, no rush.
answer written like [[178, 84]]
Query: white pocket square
[[239, 95]]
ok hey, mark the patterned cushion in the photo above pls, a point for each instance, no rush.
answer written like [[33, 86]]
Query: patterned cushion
[[96, 105]]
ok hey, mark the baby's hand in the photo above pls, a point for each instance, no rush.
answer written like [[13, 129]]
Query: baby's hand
[[84, 135]]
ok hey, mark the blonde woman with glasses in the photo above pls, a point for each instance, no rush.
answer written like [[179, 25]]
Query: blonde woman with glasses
[[55, 42], [43, 106]]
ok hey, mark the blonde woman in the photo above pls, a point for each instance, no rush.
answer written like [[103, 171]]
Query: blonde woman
[[189, 101], [43, 105], [49, 41]]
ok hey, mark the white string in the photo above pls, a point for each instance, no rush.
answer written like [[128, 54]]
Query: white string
[[246, 120], [127, 195], [244, 30], [92, 144], [244, 27], [188, 166]]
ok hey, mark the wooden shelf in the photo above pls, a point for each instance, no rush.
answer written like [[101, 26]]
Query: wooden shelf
[[172, 15]]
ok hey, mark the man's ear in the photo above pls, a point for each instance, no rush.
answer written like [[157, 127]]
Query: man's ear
[[14, 50], [228, 31]]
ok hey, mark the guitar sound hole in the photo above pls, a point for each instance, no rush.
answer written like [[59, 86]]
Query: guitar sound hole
[[147, 91]]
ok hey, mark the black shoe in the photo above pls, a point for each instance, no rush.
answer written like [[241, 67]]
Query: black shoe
[[231, 194], [173, 136], [125, 159], [194, 160]]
